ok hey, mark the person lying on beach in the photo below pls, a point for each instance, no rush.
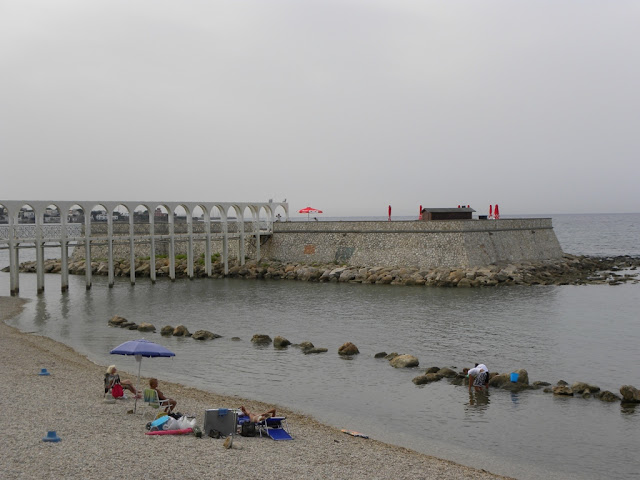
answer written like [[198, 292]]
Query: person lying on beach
[[478, 377], [111, 378], [153, 383], [253, 417]]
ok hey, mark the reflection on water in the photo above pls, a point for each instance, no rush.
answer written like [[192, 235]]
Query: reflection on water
[[479, 399]]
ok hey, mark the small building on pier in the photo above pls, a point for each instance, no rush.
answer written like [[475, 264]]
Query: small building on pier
[[460, 213]]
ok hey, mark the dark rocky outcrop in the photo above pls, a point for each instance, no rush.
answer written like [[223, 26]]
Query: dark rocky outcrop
[[380, 355], [315, 350], [117, 321], [280, 342], [569, 270], [562, 390], [167, 330], [146, 327], [348, 349], [582, 387], [181, 331], [261, 339], [204, 335], [630, 394], [447, 372], [426, 378], [607, 396]]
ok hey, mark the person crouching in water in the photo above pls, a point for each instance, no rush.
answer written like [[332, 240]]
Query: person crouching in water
[[479, 377]]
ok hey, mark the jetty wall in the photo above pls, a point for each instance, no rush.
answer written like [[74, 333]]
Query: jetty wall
[[460, 243], [437, 243]]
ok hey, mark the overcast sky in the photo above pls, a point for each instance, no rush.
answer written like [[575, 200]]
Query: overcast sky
[[345, 105]]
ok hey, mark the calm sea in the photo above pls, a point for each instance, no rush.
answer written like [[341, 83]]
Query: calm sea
[[587, 333]]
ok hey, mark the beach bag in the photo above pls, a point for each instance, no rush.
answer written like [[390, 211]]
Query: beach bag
[[117, 391], [248, 429]]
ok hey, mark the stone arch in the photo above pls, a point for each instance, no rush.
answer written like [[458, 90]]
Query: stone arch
[[26, 214], [75, 214], [51, 214], [280, 213], [4, 215]]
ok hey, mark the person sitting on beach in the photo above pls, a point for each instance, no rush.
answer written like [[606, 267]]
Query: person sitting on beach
[[478, 377], [153, 383], [256, 418], [111, 378]]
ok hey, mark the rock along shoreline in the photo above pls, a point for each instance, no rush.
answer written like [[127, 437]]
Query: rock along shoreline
[[569, 270]]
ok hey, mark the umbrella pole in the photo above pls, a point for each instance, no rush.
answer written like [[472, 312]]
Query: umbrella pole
[[139, 360]]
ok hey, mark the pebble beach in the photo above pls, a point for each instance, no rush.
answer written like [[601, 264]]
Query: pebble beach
[[102, 440]]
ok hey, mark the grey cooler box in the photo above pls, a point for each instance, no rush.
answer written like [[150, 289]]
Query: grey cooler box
[[221, 419]]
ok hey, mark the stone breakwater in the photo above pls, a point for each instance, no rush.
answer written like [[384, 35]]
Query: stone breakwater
[[569, 270]]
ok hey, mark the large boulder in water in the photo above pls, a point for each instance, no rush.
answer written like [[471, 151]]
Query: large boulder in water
[[562, 390], [404, 361], [204, 335], [146, 327], [306, 345], [166, 330], [426, 378], [260, 339], [607, 396], [181, 331], [281, 342], [582, 387], [447, 372], [348, 349], [117, 321], [629, 394]]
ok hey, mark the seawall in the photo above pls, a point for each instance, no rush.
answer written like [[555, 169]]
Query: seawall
[[440, 243]]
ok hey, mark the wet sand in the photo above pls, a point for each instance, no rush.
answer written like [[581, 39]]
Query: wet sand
[[101, 440]]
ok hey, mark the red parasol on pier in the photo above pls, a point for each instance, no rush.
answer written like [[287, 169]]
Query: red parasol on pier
[[389, 212], [496, 212], [309, 210], [490, 211]]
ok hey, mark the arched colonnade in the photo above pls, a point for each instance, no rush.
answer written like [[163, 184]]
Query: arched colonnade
[[60, 224]]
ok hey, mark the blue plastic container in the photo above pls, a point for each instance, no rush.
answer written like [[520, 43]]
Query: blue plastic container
[[514, 377], [43, 371]]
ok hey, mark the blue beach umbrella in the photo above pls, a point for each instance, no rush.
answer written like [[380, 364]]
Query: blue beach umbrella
[[141, 348]]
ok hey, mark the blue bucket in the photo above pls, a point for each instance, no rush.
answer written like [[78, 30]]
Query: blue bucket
[[514, 377]]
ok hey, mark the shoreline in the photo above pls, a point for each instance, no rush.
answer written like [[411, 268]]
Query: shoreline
[[70, 402]]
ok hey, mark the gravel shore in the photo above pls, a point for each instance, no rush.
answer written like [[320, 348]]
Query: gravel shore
[[101, 440]]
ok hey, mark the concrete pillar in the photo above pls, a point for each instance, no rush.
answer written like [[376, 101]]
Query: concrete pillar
[[14, 261], [64, 265], [39, 255], [172, 249], [241, 254], [225, 246], [110, 248], [256, 229], [132, 253], [152, 248], [207, 248], [190, 247], [64, 254], [87, 250]]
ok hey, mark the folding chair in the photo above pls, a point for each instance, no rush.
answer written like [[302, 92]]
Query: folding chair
[[275, 428], [151, 400]]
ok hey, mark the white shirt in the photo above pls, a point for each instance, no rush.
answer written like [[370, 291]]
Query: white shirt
[[474, 372]]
